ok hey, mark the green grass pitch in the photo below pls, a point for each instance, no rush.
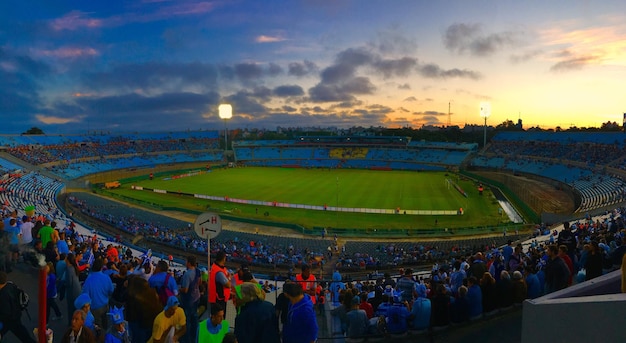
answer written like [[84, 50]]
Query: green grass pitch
[[333, 187]]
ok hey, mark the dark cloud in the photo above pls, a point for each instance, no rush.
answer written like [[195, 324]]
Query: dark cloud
[[411, 98], [274, 69], [355, 57], [337, 73], [136, 112], [289, 109], [328, 93], [153, 75], [288, 90], [262, 93], [404, 86], [341, 92], [399, 67], [430, 120], [431, 113], [460, 38], [20, 85], [248, 71], [433, 71], [393, 41], [246, 103], [575, 63], [526, 56], [302, 69], [130, 104], [358, 85]]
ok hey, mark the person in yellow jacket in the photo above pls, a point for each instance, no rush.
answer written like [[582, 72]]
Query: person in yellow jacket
[[214, 328]]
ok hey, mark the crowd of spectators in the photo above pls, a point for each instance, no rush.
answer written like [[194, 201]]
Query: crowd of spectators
[[469, 287], [115, 146], [243, 247]]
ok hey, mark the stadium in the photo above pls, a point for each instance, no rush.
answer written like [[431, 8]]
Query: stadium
[[528, 182]]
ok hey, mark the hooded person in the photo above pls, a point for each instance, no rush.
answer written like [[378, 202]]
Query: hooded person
[[335, 287], [117, 333], [83, 302], [301, 325], [257, 320]]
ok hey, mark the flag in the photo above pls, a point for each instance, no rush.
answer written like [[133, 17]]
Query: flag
[[146, 256], [91, 259]]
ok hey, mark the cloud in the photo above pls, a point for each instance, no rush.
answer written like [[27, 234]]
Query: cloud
[[75, 20], [411, 98], [392, 41], [433, 71], [154, 77], [53, 120], [288, 90], [404, 86], [66, 52], [431, 113], [575, 63], [526, 56], [145, 13], [268, 39], [399, 67], [302, 69], [460, 38]]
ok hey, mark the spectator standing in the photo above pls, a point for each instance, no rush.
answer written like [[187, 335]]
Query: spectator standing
[[593, 264], [99, 287], [307, 281], [406, 285], [257, 320], [162, 278], [556, 271], [301, 325], [142, 307], [72, 284], [214, 328], [219, 281], [26, 229], [51, 293], [190, 296]]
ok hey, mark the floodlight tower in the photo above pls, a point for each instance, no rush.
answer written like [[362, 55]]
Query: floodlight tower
[[225, 112], [485, 112]]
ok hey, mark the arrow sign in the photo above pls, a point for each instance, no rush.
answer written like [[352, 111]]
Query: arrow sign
[[208, 225]]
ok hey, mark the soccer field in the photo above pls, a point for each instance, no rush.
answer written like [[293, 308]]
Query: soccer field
[[346, 188]]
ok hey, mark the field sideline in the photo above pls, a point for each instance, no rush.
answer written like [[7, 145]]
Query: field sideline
[[343, 187]]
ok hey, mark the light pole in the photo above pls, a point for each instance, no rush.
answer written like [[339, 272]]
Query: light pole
[[485, 112], [225, 112]]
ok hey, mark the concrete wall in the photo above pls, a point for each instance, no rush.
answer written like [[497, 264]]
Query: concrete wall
[[593, 311]]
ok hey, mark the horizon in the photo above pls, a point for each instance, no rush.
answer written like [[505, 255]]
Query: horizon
[[153, 66]]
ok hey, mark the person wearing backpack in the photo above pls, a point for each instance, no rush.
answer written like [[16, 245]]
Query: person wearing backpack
[[163, 282], [11, 310], [189, 298]]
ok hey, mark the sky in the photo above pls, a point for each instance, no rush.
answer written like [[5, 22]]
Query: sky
[[159, 65]]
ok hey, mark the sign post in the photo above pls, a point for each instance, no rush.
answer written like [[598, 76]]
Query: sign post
[[208, 225]]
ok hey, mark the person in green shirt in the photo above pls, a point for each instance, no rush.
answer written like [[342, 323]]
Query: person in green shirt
[[214, 328]]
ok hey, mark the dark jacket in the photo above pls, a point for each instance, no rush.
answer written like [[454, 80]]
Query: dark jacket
[[85, 337], [257, 322], [557, 274]]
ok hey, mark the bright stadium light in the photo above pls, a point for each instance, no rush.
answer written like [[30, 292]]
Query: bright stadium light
[[485, 112], [225, 113]]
